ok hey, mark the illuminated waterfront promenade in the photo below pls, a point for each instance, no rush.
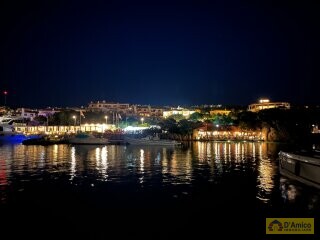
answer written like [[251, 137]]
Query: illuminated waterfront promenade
[[64, 129], [198, 134]]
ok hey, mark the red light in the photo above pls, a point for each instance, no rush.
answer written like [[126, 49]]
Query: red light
[[5, 92]]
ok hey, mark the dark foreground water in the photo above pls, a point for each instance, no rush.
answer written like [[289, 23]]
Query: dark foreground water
[[98, 192]]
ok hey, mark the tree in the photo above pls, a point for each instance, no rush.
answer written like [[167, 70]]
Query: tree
[[132, 121], [248, 120], [177, 117], [42, 120], [196, 116], [64, 118], [186, 127], [169, 125]]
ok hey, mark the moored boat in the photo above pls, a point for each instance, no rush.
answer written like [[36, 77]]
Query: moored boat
[[44, 140], [87, 139], [303, 167], [9, 135], [151, 141]]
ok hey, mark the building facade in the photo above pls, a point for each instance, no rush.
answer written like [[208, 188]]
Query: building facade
[[126, 109], [219, 111], [184, 112], [103, 106], [147, 111], [266, 104]]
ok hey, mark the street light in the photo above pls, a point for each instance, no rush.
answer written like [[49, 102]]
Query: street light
[[142, 119], [106, 117], [5, 93], [75, 119]]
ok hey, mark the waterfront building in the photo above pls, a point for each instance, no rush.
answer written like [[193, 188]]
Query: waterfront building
[[266, 104], [226, 133], [101, 128]]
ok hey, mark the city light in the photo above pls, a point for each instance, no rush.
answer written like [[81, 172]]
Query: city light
[[75, 119], [264, 100], [5, 93]]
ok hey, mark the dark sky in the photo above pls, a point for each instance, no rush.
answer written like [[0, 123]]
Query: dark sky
[[158, 52]]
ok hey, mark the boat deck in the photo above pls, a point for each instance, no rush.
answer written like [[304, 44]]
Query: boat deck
[[303, 167]]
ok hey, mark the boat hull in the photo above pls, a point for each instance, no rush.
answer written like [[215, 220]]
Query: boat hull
[[90, 142], [305, 169], [15, 138], [87, 140], [43, 141], [12, 138], [151, 142]]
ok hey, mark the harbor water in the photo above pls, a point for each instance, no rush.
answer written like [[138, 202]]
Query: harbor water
[[93, 192]]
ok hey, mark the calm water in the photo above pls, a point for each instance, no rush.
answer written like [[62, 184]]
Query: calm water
[[202, 188]]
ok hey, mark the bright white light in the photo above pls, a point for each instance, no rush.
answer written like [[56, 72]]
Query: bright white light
[[141, 165], [98, 157], [264, 100], [131, 128], [73, 163]]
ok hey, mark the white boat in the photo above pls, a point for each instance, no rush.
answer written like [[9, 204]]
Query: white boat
[[151, 141], [303, 167], [8, 119], [87, 139], [9, 135], [6, 130]]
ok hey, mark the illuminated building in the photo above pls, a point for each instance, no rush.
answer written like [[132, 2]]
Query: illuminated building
[[266, 104], [147, 111], [184, 112], [103, 106], [219, 111], [210, 132], [27, 113], [126, 108]]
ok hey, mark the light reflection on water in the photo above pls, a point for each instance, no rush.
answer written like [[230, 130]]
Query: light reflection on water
[[224, 157], [73, 163], [156, 167]]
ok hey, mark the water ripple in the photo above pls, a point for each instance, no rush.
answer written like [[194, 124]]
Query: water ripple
[[211, 168]]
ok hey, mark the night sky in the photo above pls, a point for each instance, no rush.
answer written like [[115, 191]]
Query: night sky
[[69, 53]]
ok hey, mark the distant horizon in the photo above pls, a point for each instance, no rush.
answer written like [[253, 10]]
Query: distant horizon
[[8, 100], [153, 105]]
